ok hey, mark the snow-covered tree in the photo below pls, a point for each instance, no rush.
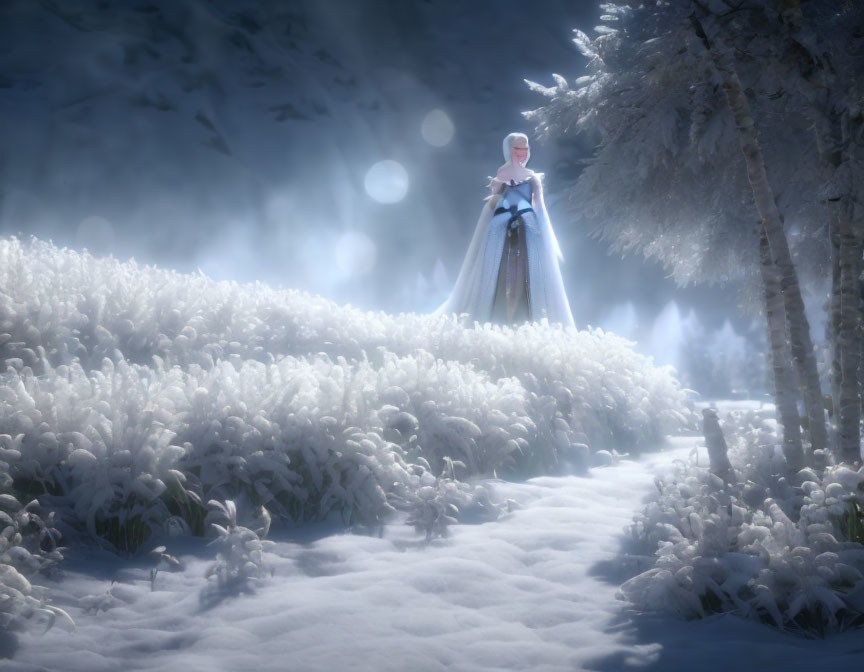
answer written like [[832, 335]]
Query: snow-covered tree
[[666, 100], [821, 48], [712, 35]]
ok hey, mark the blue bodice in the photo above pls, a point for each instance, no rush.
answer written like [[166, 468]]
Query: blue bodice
[[514, 205], [517, 194]]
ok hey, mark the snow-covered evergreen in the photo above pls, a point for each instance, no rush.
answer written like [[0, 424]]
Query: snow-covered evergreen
[[667, 180], [734, 113]]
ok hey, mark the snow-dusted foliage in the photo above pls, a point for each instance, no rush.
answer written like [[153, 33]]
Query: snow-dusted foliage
[[57, 305], [136, 394], [667, 179], [434, 503], [28, 545], [786, 551], [240, 559]]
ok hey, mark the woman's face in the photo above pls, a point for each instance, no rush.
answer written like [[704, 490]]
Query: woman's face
[[519, 152]]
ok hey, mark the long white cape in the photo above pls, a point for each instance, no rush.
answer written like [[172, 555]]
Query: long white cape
[[475, 287]]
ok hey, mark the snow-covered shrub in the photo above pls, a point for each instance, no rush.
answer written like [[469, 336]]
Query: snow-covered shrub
[[436, 503], [57, 305], [240, 555], [302, 437], [432, 510], [123, 477], [786, 551], [18, 605], [28, 544], [138, 394]]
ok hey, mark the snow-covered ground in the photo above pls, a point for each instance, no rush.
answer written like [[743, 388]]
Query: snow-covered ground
[[535, 590], [108, 363]]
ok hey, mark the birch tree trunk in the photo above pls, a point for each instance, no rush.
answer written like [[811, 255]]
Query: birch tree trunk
[[861, 348], [785, 394], [849, 416], [834, 325], [799, 328], [861, 342], [851, 267], [835, 127], [834, 144]]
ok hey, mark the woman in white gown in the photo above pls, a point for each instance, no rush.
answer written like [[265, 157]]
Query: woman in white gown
[[510, 273]]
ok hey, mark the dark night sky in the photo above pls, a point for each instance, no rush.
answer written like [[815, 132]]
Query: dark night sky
[[237, 137]]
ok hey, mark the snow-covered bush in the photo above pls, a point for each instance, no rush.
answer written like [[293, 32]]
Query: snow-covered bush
[[240, 558], [435, 503], [137, 394], [786, 551], [28, 544], [302, 437], [57, 305]]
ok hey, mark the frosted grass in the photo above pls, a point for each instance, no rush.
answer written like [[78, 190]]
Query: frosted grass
[[133, 395], [534, 589], [513, 594], [73, 305], [782, 549]]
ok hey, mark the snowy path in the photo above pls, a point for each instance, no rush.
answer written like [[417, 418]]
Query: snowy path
[[534, 590]]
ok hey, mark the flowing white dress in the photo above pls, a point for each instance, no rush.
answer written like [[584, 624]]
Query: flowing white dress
[[477, 286]]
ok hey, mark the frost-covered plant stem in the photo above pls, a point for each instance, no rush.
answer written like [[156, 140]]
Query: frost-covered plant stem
[[240, 558], [785, 393], [716, 445], [766, 204]]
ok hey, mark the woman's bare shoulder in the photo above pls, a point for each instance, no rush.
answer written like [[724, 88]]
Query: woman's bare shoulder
[[507, 175]]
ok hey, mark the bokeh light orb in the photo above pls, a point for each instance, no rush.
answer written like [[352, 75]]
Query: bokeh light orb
[[387, 181], [96, 234], [437, 128], [355, 253]]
